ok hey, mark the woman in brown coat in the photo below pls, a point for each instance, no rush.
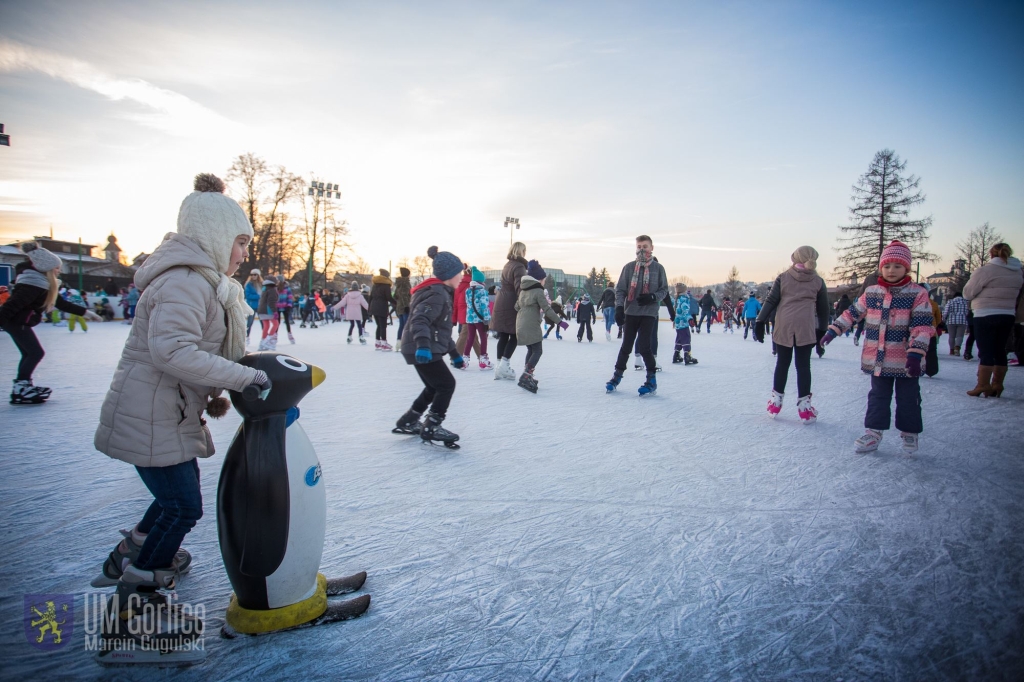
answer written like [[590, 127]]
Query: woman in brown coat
[[503, 318], [799, 300]]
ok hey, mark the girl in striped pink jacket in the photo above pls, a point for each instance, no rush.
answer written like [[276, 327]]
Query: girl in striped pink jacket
[[897, 331]]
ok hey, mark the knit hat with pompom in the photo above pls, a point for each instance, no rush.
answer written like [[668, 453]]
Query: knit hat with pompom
[[446, 263], [534, 269], [896, 252], [41, 259], [212, 220]]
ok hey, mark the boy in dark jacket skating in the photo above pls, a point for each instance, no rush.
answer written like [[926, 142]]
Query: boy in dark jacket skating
[[427, 338], [586, 315]]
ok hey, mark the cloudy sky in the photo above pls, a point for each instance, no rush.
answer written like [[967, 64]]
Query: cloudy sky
[[731, 132]]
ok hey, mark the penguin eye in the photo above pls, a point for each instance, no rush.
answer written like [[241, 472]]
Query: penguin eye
[[292, 363]]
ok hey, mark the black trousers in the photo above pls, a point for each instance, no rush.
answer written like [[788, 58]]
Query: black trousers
[[803, 368], [438, 388], [354, 323], [533, 353], [506, 345], [285, 315], [992, 333], [931, 358], [654, 341], [381, 327], [908, 404], [31, 351], [585, 324], [637, 330]]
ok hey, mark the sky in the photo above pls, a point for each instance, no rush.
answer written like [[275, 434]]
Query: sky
[[730, 132]]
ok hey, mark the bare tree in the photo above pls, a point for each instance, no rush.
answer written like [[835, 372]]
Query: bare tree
[[248, 172], [359, 265], [974, 249], [882, 199], [422, 266]]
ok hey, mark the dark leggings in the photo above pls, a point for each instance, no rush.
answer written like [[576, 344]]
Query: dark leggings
[[992, 333], [31, 351], [506, 345], [438, 388], [285, 315], [354, 323], [803, 369], [381, 323], [177, 506], [533, 353]]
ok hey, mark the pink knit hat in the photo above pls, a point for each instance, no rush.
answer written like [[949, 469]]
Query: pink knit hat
[[896, 252]]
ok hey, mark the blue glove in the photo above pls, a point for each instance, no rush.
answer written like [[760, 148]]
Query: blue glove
[[458, 362], [424, 355], [914, 365], [828, 337]]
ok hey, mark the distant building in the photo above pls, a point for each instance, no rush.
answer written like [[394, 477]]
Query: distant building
[[79, 259], [945, 283]]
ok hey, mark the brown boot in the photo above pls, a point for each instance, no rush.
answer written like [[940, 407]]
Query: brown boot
[[997, 381], [984, 386]]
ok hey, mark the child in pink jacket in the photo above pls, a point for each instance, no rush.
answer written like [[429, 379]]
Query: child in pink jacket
[[354, 303], [899, 326]]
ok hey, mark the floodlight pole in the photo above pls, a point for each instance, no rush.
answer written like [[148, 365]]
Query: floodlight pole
[[511, 224], [316, 190]]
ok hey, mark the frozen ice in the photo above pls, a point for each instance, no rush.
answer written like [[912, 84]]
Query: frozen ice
[[576, 534]]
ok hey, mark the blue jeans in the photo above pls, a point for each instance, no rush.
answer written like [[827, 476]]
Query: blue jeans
[[908, 404], [401, 324], [177, 506], [609, 318], [248, 325]]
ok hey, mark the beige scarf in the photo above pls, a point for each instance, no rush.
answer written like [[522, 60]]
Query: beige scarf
[[232, 297]]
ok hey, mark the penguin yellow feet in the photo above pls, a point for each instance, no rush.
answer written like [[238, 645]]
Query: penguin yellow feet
[[315, 610]]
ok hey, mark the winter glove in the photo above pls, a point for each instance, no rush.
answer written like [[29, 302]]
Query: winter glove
[[458, 362], [259, 388], [759, 332], [646, 299], [563, 325], [914, 365], [620, 315], [829, 336], [424, 355]]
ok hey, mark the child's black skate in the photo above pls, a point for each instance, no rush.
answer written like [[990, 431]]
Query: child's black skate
[[527, 381], [689, 359], [408, 423], [431, 431], [613, 382], [676, 359]]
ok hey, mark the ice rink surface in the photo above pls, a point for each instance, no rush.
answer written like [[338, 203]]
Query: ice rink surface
[[576, 535]]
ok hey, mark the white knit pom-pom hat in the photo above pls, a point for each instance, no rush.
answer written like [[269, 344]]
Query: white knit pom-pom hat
[[212, 220]]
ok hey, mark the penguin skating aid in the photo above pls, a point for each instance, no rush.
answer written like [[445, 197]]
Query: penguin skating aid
[[272, 510]]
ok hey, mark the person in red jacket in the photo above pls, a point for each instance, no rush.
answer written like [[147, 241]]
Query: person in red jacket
[[459, 312]]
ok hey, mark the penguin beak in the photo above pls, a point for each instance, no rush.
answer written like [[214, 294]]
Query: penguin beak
[[318, 376]]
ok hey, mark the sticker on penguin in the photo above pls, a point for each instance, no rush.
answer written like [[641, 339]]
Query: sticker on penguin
[[272, 510]]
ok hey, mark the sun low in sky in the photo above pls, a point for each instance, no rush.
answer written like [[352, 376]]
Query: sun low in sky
[[730, 132]]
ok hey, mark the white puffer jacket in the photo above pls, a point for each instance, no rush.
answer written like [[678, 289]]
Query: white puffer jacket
[[171, 364], [994, 287]]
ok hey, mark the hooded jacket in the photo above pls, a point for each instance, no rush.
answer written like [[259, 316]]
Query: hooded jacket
[[585, 312], [682, 318], [403, 295], [994, 287], [477, 308], [459, 306], [267, 307], [26, 304], [353, 302], [503, 315], [381, 299], [430, 321], [799, 301], [532, 307], [171, 364], [897, 321]]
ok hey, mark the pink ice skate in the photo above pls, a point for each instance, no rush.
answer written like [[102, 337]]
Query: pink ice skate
[[806, 411], [775, 404]]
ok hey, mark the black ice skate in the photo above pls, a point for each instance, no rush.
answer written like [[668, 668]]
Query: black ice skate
[[676, 359], [431, 431], [408, 423], [527, 381], [689, 359], [24, 393]]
